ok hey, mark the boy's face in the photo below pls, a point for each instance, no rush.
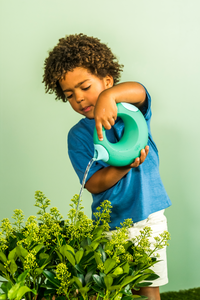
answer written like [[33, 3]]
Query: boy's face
[[82, 90]]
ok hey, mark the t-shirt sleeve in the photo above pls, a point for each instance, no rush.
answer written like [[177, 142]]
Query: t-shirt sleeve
[[80, 152], [146, 109]]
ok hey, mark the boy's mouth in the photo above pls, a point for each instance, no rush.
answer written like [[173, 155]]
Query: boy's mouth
[[86, 108]]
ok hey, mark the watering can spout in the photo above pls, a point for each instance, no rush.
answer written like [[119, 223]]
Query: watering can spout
[[100, 153]]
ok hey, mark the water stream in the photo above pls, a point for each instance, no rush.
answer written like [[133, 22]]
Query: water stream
[[82, 186]]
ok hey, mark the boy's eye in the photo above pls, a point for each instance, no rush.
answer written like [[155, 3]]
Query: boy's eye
[[86, 88], [68, 96]]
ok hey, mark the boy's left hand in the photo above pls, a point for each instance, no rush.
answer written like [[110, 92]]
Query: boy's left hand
[[139, 160]]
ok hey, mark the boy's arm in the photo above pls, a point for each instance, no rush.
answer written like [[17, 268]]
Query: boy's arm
[[105, 112], [105, 178], [105, 115]]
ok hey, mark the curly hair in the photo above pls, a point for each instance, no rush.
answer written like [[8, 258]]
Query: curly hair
[[78, 50]]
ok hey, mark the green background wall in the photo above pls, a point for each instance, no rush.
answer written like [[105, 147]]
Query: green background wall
[[158, 43]]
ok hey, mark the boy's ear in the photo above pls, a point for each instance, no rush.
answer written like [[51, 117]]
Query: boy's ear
[[109, 81]]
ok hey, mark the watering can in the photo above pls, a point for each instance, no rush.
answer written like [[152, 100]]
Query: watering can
[[135, 138]]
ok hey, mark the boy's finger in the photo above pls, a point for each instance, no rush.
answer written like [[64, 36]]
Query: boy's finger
[[112, 121], [99, 131], [136, 163], [147, 150], [142, 156]]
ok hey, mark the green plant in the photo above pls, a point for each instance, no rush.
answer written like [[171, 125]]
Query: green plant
[[191, 294], [48, 256], [17, 290]]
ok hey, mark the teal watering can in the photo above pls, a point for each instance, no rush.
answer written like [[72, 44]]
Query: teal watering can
[[134, 139]]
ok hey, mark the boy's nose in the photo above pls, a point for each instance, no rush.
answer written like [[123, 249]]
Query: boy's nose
[[79, 97], [79, 100]]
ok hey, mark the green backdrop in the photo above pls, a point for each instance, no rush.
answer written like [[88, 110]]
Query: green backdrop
[[158, 43]]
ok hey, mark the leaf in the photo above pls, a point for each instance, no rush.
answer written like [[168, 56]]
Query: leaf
[[115, 287], [128, 279], [48, 284], [21, 251], [3, 297], [51, 277], [98, 280], [38, 271], [38, 248], [143, 284], [108, 280], [94, 245], [13, 267], [43, 256], [79, 255], [80, 269], [87, 257], [84, 242], [152, 276], [22, 290], [81, 278], [70, 257], [97, 258], [13, 291], [118, 271], [97, 232], [104, 241], [84, 290], [2, 268], [149, 271], [88, 249], [126, 268], [140, 278], [89, 241], [6, 286], [12, 254], [3, 257], [88, 276], [93, 266], [97, 289], [67, 251], [102, 274], [131, 271], [22, 276], [118, 297], [59, 255], [109, 264], [78, 282], [66, 248], [69, 248], [103, 254]]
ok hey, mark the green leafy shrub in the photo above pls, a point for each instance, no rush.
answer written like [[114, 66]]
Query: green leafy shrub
[[73, 259]]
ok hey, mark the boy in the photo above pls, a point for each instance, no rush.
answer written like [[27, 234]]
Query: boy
[[84, 72]]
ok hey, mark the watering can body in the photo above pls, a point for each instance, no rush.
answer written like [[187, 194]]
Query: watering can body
[[135, 138]]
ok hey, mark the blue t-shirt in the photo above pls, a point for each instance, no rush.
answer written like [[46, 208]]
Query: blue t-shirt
[[140, 192]]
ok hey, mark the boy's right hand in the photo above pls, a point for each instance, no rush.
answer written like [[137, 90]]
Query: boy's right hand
[[105, 112]]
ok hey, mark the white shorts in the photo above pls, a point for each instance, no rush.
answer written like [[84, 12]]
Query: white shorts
[[158, 223]]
